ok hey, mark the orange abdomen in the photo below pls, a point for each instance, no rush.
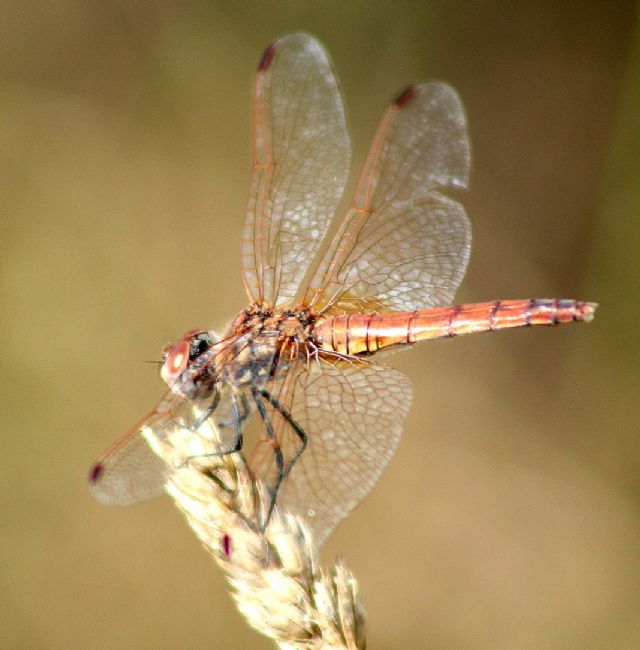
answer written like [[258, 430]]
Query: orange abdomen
[[368, 333]]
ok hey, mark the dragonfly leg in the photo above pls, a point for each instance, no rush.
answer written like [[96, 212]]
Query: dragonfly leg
[[239, 418], [294, 425], [203, 417], [237, 421], [206, 414], [277, 452]]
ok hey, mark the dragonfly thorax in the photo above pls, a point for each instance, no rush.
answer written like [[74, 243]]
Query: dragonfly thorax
[[251, 360], [260, 340], [295, 323]]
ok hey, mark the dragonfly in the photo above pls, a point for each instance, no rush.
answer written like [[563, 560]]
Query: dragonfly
[[298, 360]]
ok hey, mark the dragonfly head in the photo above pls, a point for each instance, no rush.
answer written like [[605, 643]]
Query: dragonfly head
[[187, 369]]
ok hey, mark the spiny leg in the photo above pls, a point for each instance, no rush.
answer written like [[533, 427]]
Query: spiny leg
[[237, 421], [277, 452], [239, 418], [207, 413], [294, 425], [203, 417]]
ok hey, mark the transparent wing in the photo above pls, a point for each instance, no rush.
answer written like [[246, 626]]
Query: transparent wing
[[404, 244], [128, 471], [300, 165], [352, 415]]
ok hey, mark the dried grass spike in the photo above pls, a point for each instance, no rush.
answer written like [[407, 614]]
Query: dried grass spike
[[276, 578]]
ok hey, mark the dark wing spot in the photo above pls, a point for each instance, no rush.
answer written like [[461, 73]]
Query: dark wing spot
[[405, 96], [266, 58], [95, 472]]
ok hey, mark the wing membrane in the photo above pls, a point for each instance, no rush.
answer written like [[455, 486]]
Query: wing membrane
[[352, 415], [404, 244], [300, 166], [129, 471]]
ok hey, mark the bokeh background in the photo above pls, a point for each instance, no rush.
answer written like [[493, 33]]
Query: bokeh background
[[509, 517]]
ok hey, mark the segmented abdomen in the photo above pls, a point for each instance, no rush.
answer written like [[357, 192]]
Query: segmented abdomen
[[368, 333]]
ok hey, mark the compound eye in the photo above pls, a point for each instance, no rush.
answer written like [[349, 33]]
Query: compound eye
[[176, 361], [200, 344]]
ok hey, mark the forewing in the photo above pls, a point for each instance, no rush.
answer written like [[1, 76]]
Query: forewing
[[404, 244], [300, 165], [352, 416], [128, 471]]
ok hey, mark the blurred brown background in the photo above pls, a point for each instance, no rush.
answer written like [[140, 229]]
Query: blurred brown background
[[509, 517]]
